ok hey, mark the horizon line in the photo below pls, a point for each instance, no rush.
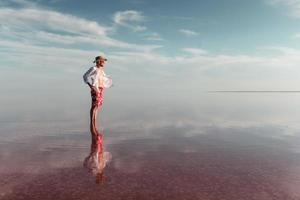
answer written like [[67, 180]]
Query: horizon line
[[254, 91]]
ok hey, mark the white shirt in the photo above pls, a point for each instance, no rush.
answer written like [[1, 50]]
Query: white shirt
[[97, 78]]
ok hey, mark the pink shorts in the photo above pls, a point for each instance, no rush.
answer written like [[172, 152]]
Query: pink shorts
[[97, 98]]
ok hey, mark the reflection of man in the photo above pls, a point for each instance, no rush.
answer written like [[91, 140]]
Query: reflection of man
[[97, 159], [97, 80]]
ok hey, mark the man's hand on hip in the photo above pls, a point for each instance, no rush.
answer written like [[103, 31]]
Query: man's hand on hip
[[92, 87]]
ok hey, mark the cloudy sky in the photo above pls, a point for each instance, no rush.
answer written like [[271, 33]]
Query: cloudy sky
[[195, 45]]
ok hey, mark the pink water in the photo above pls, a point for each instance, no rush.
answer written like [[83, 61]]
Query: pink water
[[230, 153]]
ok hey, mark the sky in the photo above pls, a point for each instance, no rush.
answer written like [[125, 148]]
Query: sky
[[151, 45]]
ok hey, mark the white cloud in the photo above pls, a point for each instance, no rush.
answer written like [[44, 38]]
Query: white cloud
[[27, 33], [198, 68], [123, 17], [42, 38], [33, 29], [195, 51], [29, 24], [292, 5], [18, 55], [154, 36], [43, 57], [129, 19], [188, 32], [283, 50], [139, 28], [18, 2], [51, 19], [296, 36], [220, 71]]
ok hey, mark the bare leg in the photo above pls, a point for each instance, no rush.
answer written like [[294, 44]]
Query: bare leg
[[95, 119], [96, 102], [99, 134], [93, 114]]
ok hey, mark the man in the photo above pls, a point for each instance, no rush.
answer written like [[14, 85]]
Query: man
[[97, 80]]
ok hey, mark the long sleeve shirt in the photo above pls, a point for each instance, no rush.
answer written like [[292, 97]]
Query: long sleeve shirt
[[97, 78]]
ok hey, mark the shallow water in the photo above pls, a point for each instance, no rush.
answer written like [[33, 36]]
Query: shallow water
[[216, 146]]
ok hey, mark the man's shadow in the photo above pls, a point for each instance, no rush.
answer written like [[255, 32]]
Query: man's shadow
[[97, 159]]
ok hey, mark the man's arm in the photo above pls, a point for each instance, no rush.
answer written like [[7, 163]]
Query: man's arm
[[86, 77], [87, 74]]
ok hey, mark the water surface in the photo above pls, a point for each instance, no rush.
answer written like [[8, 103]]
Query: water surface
[[214, 146]]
